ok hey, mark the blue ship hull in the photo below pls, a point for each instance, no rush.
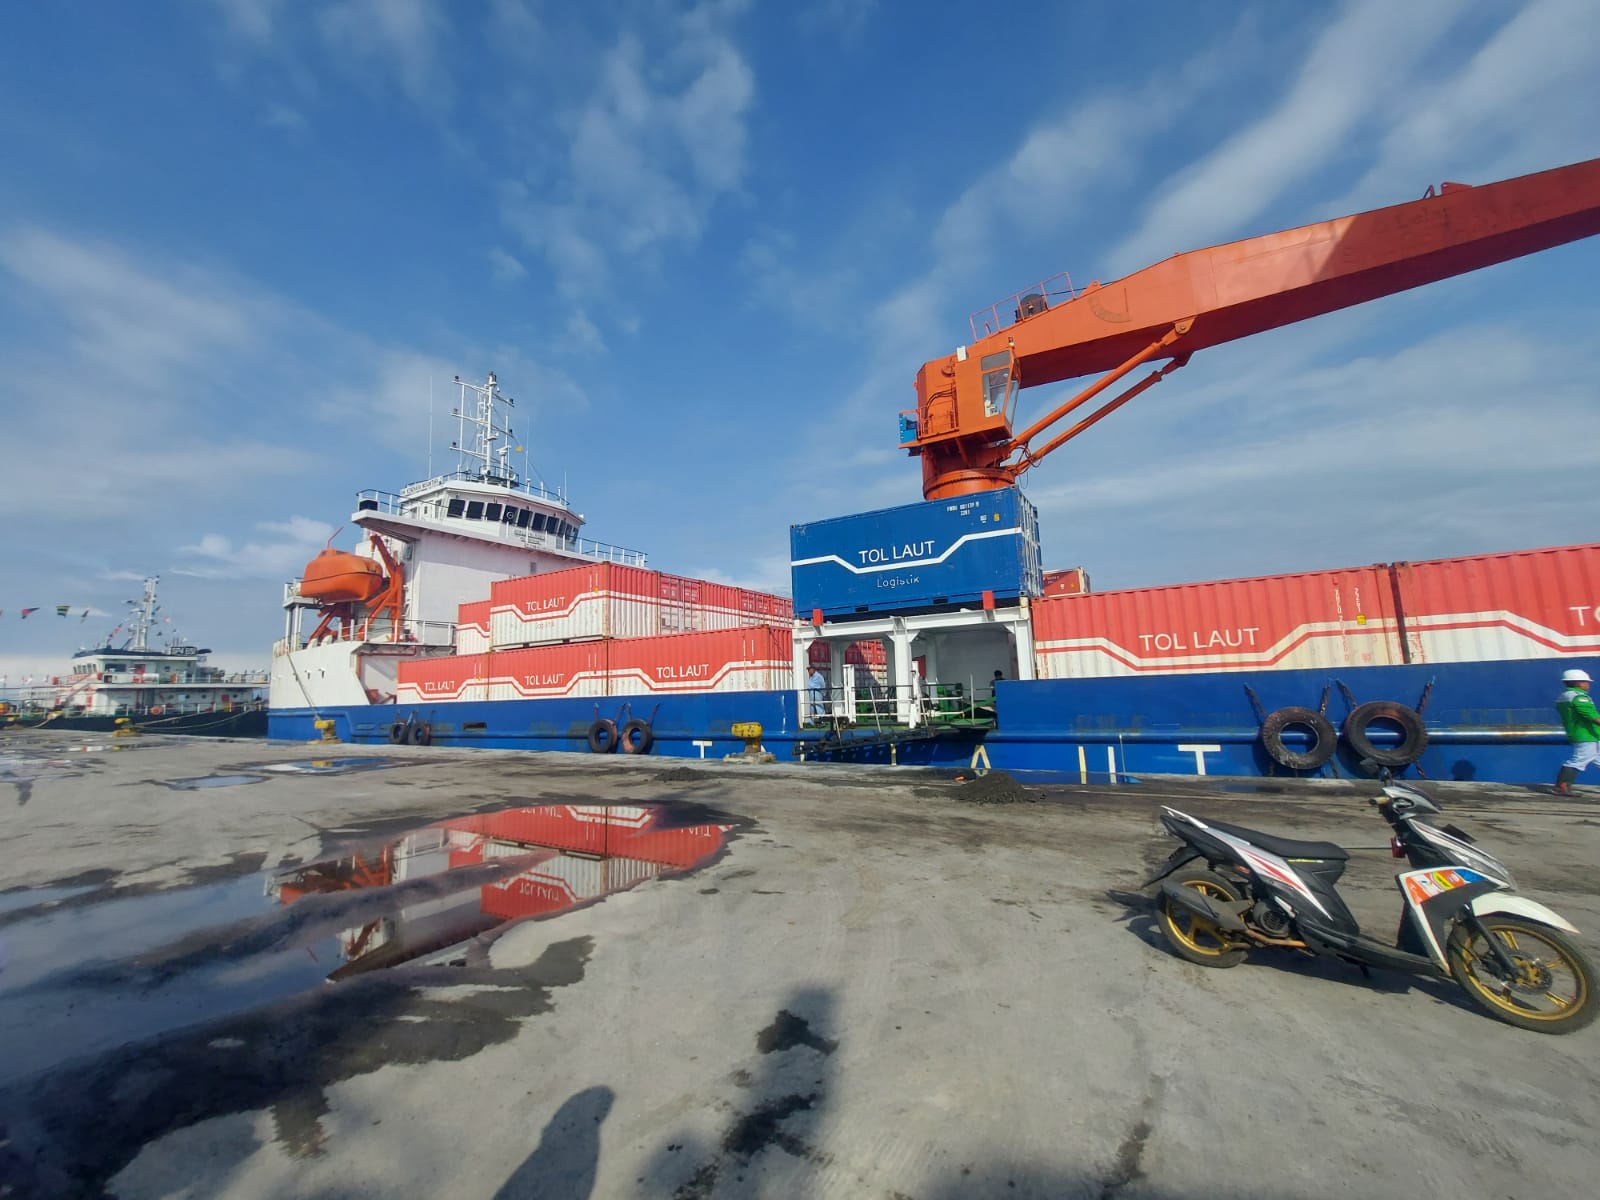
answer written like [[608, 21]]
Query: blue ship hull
[[1487, 721]]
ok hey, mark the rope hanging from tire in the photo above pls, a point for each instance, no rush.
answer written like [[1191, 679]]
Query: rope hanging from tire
[[1413, 733], [1325, 739]]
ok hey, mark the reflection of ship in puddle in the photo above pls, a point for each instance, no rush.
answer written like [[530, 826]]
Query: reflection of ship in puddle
[[555, 857]]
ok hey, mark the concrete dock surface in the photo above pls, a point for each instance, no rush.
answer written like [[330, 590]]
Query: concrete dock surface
[[871, 983]]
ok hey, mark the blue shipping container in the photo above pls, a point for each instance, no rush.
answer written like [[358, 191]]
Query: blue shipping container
[[940, 553]]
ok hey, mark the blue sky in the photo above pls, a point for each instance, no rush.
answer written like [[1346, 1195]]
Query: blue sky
[[707, 246]]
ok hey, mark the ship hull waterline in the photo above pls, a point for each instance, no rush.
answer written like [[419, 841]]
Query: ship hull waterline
[[1487, 721]]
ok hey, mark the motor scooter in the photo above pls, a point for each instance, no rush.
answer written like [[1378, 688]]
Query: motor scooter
[[1228, 889]]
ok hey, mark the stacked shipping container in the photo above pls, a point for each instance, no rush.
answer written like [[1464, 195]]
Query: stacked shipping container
[[752, 658], [1530, 604], [608, 600], [472, 627]]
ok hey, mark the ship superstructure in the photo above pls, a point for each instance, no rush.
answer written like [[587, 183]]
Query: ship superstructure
[[354, 615], [139, 679]]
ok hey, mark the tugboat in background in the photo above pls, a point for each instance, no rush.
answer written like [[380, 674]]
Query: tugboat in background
[[160, 690]]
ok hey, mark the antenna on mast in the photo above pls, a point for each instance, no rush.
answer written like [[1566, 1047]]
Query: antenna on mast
[[478, 460]]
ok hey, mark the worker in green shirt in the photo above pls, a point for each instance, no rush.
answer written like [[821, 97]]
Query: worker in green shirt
[[1582, 721]]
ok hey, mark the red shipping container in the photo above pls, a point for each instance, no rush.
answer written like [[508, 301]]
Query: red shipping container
[[472, 627], [432, 680], [596, 601], [752, 658], [1529, 604], [1279, 622], [566, 669], [1066, 583], [870, 653], [607, 600]]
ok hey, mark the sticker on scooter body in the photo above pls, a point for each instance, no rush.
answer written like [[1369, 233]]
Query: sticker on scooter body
[[1423, 885]]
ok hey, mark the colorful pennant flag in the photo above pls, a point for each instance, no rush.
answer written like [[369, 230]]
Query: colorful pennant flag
[[26, 611], [63, 609], [83, 618]]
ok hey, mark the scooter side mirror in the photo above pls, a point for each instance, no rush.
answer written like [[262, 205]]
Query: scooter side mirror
[[1371, 767]]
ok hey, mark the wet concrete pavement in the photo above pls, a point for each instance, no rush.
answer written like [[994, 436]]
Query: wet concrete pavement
[[759, 981]]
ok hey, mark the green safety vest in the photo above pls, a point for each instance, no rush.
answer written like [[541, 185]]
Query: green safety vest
[[1579, 715]]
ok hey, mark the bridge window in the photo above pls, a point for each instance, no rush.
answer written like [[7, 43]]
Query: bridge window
[[523, 517], [474, 510], [491, 512], [456, 507]]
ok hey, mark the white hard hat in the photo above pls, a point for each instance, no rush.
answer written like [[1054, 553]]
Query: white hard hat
[[1574, 676]]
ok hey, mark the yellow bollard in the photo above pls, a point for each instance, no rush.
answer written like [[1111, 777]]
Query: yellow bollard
[[325, 726], [750, 733], [125, 728]]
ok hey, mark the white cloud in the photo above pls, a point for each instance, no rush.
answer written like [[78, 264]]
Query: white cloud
[[1348, 78], [282, 551], [286, 118], [254, 19], [504, 266], [846, 20], [1473, 124], [145, 326], [402, 36], [659, 138], [583, 336]]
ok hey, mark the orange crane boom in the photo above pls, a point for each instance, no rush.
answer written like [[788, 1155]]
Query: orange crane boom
[[966, 401]]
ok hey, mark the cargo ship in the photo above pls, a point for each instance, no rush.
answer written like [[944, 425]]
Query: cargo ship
[[475, 614], [159, 689]]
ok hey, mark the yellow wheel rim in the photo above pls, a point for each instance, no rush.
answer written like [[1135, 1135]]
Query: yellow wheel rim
[[1194, 931], [1547, 986]]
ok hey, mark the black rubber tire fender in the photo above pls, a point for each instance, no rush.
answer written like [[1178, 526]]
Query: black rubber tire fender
[[636, 737], [397, 734], [1327, 738], [602, 737], [1414, 734], [420, 734]]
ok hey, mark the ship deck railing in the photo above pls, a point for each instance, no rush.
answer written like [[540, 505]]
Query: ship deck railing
[[877, 706]]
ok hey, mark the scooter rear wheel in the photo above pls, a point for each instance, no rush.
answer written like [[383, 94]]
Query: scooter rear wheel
[[1554, 989], [1192, 936]]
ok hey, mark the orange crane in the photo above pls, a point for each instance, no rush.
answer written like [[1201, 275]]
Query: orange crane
[[966, 401]]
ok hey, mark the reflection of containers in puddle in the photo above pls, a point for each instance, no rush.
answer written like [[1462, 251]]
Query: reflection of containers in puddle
[[213, 781], [574, 854]]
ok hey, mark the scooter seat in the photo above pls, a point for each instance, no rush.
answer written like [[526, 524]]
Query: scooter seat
[[1284, 847]]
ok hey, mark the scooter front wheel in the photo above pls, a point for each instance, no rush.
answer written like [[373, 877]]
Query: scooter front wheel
[[1191, 935], [1552, 989]]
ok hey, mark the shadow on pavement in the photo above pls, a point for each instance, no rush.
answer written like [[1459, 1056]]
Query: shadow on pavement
[[562, 1166]]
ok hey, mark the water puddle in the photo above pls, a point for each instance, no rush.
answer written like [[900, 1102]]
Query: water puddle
[[83, 978], [213, 781], [331, 766], [18, 899]]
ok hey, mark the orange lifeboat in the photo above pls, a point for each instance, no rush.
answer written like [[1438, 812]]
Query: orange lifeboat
[[338, 577]]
